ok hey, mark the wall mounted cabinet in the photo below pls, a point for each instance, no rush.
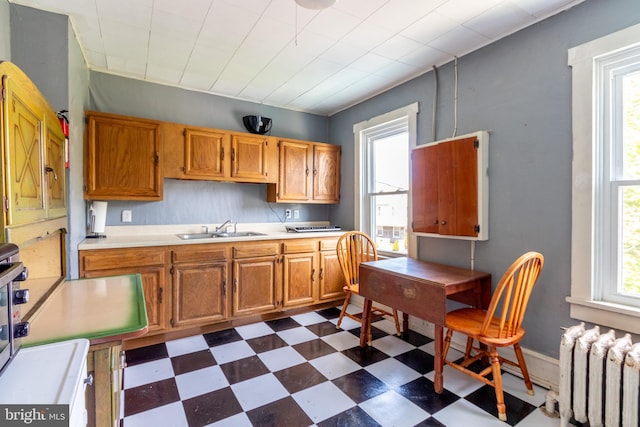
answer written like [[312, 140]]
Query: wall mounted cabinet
[[450, 188], [122, 158], [309, 172], [33, 152]]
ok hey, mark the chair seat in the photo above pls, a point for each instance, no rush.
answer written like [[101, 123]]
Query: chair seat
[[470, 321], [352, 288]]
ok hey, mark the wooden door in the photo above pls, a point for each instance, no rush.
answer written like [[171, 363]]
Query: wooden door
[[204, 154], [254, 285], [199, 293], [122, 158], [295, 171], [54, 169], [24, 156], [299, 278], [424, 189], [326, 173]]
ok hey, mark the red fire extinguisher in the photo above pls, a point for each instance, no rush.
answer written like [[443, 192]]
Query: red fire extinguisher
[[64, 123]]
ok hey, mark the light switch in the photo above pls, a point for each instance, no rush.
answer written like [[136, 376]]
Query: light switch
[[126, 215]]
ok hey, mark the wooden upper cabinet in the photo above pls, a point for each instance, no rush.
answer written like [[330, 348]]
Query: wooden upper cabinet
[[450, 187], [253, 158], [122, 158], [33, 152], [309, 172], [204, 154]]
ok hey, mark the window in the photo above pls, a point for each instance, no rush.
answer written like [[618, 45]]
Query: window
[[383, 145], [605, 265]]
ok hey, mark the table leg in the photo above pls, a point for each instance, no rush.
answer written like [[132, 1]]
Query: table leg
[[405, 322], [438, 360], [365, 329]]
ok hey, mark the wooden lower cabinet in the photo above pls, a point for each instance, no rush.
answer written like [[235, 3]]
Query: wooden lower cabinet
[[255, 279], [330, 276], [199, 275], [299, 262], [105, 363]]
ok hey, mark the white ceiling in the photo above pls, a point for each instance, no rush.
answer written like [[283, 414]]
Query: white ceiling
[[279, 54]]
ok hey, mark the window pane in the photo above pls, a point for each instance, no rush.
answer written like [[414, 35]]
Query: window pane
[[390, 221], [631, 126], [630, 232], [390, 163]]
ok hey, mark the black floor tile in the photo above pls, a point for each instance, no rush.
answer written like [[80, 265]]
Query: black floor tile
[[485, 398], [243, 369], [360, 385], [365, 356], [211, 407], [354, 417], [375, 333], [266, 343], [299, 377], [283, 324], [314, 349], [415, 338], [146, 354], [192, 361], [222, 337], [421, 392], [283, 412], [417, 360], [149, 396], [432, 422], [330, 313], [323, 328]]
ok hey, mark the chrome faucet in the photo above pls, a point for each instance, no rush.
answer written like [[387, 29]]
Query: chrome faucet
[[221, 227]]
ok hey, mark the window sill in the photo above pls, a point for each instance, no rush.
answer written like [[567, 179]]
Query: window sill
[[617, 316]]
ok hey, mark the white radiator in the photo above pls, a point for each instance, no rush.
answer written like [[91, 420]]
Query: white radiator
[[599, 379]]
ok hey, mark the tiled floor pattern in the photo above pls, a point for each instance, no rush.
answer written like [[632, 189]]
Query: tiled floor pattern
[[302, 371]]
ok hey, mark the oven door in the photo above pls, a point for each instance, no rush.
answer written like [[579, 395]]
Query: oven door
[[5, 327]]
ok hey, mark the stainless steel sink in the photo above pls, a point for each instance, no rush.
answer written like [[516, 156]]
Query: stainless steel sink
[[191, 236]]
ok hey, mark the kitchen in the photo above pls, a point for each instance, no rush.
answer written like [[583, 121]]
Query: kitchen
[[518, 87]]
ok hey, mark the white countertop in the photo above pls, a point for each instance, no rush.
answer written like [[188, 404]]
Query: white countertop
[[162, 235]]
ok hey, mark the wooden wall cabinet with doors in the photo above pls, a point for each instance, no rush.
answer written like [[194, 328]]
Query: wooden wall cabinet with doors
[[199, 274], [122, 158], [256, 281], [309, 172], [218, 155], [450, 188], [150, 262], [33, 152]]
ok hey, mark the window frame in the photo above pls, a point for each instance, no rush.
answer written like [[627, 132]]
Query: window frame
[[361, 167], [586, 301]]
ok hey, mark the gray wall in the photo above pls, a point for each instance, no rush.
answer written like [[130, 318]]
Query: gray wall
[[195, 202], [519, 89], [5, 31]]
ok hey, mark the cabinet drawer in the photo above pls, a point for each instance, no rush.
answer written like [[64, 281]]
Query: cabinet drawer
[[328, 245], [297, 246], [198, 254], [248, 251], [119, 258]]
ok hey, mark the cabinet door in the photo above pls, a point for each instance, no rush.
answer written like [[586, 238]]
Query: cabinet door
[[122, 159], [199, 292], [254, 285], [326, 173], [331, 278], [204, 154], [424, 192], [299, 279], [55, 171], [295, 171], [23, 159], [250, 158], [153, 284]]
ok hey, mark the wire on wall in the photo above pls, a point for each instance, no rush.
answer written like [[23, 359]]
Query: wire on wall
[[455, 97], [435, 103]]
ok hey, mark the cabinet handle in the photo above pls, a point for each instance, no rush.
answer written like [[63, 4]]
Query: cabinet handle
[[222, 153], [307, 171], [315, 172], [322, 274], [435, 222], [233, 154], [49, 169], [313, 275], [443, 222], [160, 295], [157, 158]]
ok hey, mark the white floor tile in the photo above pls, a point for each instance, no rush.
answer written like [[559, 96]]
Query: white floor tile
[[457, 382], [171, 415], [258, 391], [146, 373], [334, 365], [295, 336], [391, 345], [390, 409], [281, 358], [387, 324], [309, 318], [342, 340], [464, 413], [186, 345], [347, 323], [515, 386], [254, 330], [323, 401], [201, 381], [392, 372], [233, 351], [239, 420], [538, 419]]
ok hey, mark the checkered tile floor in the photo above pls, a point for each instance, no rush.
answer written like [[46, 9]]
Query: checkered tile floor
[[302, 371]]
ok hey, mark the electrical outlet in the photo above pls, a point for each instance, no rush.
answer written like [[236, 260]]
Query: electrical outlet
[[126, 215], [296, 214], [287, 213]]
